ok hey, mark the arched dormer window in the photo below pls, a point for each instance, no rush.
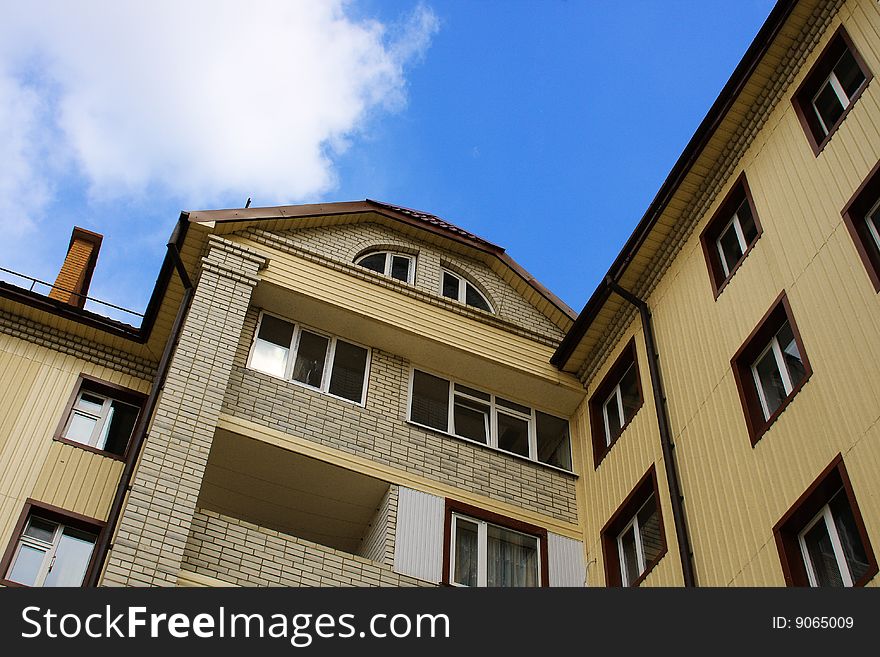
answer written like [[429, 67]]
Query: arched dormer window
[[396, 265], [454, 286]]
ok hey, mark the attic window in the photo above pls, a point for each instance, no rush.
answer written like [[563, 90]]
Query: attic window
[[456, 287], [388, 263]]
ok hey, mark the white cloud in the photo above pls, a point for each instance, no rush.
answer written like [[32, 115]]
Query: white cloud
[[194, 99]]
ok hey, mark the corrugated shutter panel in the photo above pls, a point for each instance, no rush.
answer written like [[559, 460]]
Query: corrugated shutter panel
[[566, 557], [418, 546]]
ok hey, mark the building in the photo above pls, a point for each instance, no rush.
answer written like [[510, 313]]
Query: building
[[730, 356], [349, 394], [360, 394]]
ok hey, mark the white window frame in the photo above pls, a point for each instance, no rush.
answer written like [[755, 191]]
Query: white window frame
[[463, 282], [389, 259], [329, 357], [494, 408], [640, 548], [825, 516], [783, 370], [842, 98], [49, 549], [615, 393], [483, 549], [740, 238], [98, 437], [871, 220]]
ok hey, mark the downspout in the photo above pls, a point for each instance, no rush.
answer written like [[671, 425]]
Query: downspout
[[678, 518], [139, 434]]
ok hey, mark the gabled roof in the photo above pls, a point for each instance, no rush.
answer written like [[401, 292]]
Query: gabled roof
[[415, 218]]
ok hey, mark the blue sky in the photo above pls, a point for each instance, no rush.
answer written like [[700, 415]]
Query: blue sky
[[545, 127]]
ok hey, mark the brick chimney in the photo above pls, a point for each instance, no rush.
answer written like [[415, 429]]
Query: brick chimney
[[72, 284]]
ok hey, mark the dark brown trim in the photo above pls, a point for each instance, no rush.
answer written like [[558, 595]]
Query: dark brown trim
[[624, 513], [704, 133], [805, 508], [55, 514], [742, 361], [113, 390], [802, 100], [738, 193], [454, 506], [855, 217], [628, 356]]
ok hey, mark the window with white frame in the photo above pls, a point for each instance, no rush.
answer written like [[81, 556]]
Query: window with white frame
[[486, 554], [454, 286], [830, 89], [822, 539], [873, 222], [835, 94], [736, 237], [310, 358], [778, 369], [633, 539], [831, 547], [622, 404], [488, 419], [388, 263], [50, 553], [730, 234], [615, 402], [861, 215], [99, 419], [770, 368], [640, 542]]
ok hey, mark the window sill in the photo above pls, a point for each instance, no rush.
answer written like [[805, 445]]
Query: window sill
[[495, 450], [93, 450]]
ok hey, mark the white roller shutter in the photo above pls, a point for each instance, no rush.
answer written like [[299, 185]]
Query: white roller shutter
[[418, 545]]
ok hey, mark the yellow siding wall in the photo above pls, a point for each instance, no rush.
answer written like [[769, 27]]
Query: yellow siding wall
[[37, 384], [734, 493], [621, 469]]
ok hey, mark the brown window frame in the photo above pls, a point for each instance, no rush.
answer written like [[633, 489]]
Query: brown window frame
[[618, 521], [855, 214], [629, 356], [53, 514], [738, 193], [107, 389], [817, 495], [742, 361], [454, 506], [803, 97]]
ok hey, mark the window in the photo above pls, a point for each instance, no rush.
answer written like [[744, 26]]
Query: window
[[312, 359], [488, 419], [830, 89], [101, 416], [455, 287], [862, 218], [730, 234], [485, 549], [50, 548], [822, 539], [770, 368], [615, 402], [388, 263], [633, 540]]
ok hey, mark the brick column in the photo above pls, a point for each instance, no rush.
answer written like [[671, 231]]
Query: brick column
[[156, 519]]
